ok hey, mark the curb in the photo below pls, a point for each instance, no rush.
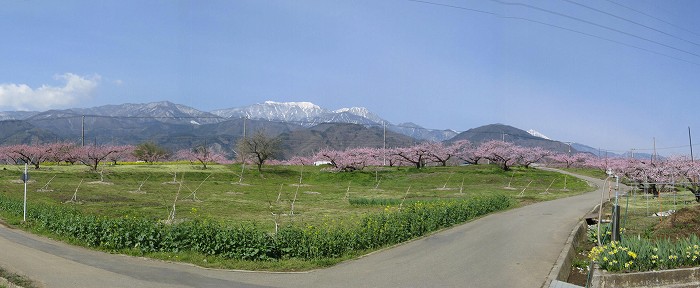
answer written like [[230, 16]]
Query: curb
[[562, 267]]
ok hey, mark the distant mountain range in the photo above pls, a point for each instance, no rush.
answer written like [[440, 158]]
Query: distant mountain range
[[308, 114], [511, 134], [303, 127]]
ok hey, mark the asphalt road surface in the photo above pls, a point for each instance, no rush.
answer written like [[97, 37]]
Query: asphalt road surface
[[514, 248]]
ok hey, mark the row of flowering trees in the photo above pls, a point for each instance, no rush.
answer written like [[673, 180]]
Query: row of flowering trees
[[505, 154], [655, 175], [652, 175], [63, 152], [94, 155]]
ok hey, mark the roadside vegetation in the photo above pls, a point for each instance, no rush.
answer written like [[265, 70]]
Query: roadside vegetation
[[658, 233], [16, 279], [659, 217]]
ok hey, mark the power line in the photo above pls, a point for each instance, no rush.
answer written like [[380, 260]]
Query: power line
[[557, 27], [663, 148], [593, 23], [630, 21], [653, 17]]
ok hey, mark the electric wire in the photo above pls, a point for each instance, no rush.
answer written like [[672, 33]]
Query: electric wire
[[593, 24], [653, 17], [630, 21], [559, 27]]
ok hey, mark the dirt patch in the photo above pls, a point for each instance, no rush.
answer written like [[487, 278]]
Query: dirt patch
[[580, 265], [105, 198], [578, 276], [18, 181], [100, 183], [683, 223]]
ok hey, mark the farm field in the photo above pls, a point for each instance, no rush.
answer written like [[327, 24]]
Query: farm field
[[282, 196], [219, 193]]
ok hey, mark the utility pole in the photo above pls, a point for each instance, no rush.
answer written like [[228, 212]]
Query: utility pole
[[245, 118], [690, 138], [384, 150], [82, 137], [653, 157], [25, 179]]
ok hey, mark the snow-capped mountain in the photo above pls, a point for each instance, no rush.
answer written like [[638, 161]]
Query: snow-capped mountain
[[362, 112], [535, 133], [164, 111], [308, 114], [17, 115], [418, 132], [178, 126], [274, 111], [305, 114]]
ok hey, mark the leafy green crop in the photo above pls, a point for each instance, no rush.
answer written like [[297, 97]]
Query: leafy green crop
[[331, 240]]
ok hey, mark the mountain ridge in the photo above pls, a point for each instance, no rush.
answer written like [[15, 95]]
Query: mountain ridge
[[303, 113], [130, 122], [511, 134]]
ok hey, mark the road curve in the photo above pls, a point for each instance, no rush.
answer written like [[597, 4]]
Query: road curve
[[514, 248]]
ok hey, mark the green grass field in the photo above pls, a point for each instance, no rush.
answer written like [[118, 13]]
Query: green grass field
[[638, 211], [301, 196], [218, 192]]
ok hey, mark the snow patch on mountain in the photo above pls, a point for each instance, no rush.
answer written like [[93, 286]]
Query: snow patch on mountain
[[309, 114], [274, 111], [362, 112], [292, 105], [535, 133]]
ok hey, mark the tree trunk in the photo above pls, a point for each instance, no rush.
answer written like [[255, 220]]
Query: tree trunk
[[654, 190], [504, 166], [696, 192]]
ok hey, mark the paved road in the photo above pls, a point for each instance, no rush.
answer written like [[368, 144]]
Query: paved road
[[515, 248]]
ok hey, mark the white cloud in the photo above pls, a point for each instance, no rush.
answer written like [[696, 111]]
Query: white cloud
[[22, 97]]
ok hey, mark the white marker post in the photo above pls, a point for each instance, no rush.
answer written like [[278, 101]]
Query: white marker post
[[25, 178]]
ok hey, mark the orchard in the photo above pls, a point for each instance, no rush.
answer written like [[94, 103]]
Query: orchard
[[359, 199]]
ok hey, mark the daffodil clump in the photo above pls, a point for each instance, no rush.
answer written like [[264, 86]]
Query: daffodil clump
[[636, 254]]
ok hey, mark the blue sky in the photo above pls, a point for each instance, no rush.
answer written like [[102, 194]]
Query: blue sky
[[612, 77]]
